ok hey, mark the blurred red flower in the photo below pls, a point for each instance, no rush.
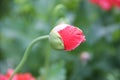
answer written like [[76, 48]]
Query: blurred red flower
[[106, 4], [116, 3], [24, 76]]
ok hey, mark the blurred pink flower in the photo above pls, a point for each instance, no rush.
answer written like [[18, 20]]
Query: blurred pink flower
[[85, 56], [24, 76], [105, 4]]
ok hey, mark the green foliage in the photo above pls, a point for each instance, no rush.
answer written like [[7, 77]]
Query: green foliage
[[23, 20], [56, 72]]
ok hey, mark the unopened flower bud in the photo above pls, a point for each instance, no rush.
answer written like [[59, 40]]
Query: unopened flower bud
[[66, 37]]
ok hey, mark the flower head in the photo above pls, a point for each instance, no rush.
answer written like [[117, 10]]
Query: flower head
[[2, 77], [24, 76], [116, 3], [67, 37], [106, 4], [85, 56]]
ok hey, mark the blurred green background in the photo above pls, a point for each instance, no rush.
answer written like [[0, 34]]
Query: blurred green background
[[97, 59]]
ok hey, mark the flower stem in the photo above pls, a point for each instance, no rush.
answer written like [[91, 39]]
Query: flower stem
[[27, 53], [45, 76]]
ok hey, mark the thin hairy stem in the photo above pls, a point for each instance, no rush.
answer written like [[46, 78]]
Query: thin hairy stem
[[22, 62]]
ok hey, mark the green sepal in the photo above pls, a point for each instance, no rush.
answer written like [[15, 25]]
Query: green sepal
[[56, 41]]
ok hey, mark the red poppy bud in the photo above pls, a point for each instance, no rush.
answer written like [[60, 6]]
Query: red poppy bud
[[66, 37]]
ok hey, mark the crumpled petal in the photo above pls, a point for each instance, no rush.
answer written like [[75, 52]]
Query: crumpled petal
[[72, 37]]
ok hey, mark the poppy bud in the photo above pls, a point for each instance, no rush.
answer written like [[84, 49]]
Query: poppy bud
[[67, 37]]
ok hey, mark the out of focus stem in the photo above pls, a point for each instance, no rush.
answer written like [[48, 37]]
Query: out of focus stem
[[45, 76], [22, 62]]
